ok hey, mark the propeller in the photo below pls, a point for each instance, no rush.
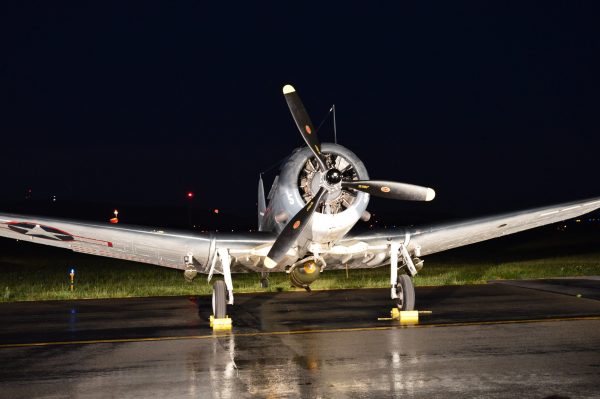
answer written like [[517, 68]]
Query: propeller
[[304, 123], [391, 190], [292, 230], [332, 180]]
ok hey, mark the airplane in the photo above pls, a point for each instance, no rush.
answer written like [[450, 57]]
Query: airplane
[[320, 193]]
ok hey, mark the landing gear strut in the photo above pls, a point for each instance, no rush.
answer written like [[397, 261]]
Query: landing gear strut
[[222, 294], [403, 290]]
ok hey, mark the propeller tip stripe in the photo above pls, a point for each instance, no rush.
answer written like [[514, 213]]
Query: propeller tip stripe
[[430, 194], [288, 89], [270, 263]]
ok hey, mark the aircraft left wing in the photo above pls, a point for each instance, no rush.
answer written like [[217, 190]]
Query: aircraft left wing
[[140, 244], [371, 249]]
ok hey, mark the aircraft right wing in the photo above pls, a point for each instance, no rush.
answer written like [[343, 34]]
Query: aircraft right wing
[[371, 249], [446, 236]]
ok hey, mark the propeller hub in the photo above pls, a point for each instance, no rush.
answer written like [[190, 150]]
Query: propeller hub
[[333, 176]]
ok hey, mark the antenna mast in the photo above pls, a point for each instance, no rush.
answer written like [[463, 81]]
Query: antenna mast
[[334, 125]]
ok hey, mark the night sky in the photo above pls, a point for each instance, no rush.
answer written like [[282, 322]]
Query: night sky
[[495, 106]]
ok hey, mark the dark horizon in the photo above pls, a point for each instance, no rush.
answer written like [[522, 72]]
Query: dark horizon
[[494, 106]]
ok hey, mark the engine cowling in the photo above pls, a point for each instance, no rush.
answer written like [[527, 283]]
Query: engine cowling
[[299, 180]]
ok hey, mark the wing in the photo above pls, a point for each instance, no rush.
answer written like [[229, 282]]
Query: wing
[[140, 244], [372, 249], [440, 238], [369, 250]]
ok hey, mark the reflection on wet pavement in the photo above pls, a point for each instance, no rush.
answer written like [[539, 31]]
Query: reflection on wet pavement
[[349, 353]]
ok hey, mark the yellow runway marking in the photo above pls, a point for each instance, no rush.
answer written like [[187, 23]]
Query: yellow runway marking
[[296, 332]]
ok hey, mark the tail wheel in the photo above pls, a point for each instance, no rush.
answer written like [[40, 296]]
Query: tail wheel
[[406, 293], [219, 300]]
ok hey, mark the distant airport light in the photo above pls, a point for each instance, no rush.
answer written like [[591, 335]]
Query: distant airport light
[[216, 211], [115, 220], [190, 195], [72, 278]]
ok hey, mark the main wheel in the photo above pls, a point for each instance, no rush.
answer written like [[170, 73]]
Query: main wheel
[[406, 293], [219, 300]]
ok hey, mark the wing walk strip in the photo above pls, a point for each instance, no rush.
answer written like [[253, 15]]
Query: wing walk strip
[[297, 332]]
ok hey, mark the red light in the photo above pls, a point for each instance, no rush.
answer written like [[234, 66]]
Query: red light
[[114, 220], [190, 194], [216, 211]]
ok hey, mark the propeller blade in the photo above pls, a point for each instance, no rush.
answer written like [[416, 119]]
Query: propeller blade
[[292, 231], [304, 123], [392, 190]]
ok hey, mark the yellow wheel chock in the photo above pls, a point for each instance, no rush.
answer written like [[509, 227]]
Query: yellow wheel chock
[[407, 317], [220, 324]]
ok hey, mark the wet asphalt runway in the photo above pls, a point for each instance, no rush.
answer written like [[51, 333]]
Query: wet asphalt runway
[[496, 340]]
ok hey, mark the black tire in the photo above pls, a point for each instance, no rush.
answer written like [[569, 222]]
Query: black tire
[[406, 293], [219, 301]]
